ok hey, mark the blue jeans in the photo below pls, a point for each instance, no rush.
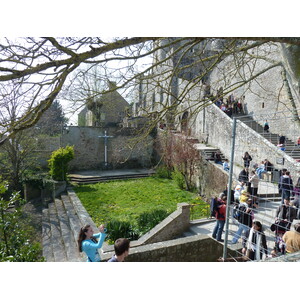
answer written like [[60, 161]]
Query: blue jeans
[[285, 194], [217, 233], [242, 229], [259, 172]]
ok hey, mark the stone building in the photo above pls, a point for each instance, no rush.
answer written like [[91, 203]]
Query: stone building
[[107, 110], [273, 95], [273, 91]]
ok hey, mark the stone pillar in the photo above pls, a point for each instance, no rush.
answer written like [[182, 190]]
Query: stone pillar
[[185, 215]]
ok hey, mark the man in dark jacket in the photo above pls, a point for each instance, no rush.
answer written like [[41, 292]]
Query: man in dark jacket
[[287, 213], [244, 176], [231, 194], [285, 186], [245, 220]]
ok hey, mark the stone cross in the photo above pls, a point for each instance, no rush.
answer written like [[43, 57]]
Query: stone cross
[[105, 146]]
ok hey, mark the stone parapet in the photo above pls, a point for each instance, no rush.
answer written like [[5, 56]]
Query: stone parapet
[[197, 248]]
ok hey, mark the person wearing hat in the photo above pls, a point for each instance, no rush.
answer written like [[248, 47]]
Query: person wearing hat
[[244, 196], [238, 190]]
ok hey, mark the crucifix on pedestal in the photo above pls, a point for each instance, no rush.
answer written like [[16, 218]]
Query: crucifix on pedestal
[[105, 146]]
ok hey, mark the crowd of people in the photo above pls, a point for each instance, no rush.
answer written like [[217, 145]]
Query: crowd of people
[[244, 205], [231, 105]]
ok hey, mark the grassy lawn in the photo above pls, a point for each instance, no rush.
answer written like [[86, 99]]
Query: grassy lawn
[[126, 199]]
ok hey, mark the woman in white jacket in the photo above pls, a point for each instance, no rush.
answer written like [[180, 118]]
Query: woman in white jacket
[[254, 180], [255, 243]]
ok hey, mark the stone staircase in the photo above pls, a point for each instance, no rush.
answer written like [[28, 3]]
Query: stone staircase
[[209, 151], [206, 150], [98, 176], [62, 221], [291, 149]]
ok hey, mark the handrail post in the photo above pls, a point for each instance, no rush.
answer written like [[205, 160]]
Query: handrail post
[[229, 188]]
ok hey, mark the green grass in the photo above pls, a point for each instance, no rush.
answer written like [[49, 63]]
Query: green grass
[[126, 199]]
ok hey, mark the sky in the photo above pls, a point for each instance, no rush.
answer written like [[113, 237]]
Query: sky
[[120, 67]]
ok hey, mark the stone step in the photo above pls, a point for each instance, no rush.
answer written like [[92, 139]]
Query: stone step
[[292, 151], [83, 215], [291, 148], [81, 212], [56, 236], [96, 179], [70, 243], [46, 236], [74, 221], [209, 152]]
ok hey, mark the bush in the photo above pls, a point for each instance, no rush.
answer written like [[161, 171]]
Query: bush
[[58, 162], [163, 172], [147, 220], [179, 179], [121, 229], [15, 244], [133, 230], [39, 181]]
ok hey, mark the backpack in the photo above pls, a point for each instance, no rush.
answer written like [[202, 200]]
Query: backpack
[[214, 204]]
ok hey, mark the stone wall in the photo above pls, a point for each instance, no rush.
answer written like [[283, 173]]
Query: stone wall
[[267, 96], [125, 149], [50, 191], [197, 248], [218, 127], [171, 227], [45, 148], [211, 179]]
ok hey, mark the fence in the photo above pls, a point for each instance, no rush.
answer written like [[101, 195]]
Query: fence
[[276, 144]]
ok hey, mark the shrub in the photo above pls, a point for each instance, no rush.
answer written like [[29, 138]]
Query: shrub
[[179, 179], [121, 229], [58, 162], [163, 172], [15, 242], [39, 181], [147, 220]]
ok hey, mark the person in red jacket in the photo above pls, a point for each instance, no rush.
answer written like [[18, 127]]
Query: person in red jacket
[[220, 216]]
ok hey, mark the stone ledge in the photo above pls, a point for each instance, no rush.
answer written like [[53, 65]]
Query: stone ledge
[[192, 248]]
